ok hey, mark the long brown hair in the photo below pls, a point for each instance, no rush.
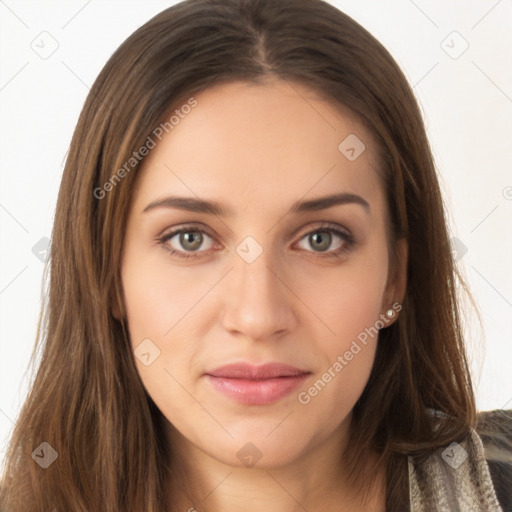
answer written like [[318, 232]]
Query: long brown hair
[[87, 400]]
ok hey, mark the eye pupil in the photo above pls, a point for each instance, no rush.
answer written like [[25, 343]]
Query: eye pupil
[[320, 240], [191, 240]]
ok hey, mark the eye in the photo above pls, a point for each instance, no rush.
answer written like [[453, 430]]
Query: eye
[[186, 242], [323, 237]]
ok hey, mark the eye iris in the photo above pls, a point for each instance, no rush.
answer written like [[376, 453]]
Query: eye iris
[[320, 240], [191, 240]]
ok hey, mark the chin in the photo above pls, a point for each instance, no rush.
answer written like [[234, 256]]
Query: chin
[[260, 449], [251, 455]]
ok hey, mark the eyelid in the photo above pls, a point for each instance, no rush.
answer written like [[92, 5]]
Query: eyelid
[[193, 226], [327, 226], [336, 229], [164, 237], [348, 239]]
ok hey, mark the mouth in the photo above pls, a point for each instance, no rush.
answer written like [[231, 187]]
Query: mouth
[[256, 385]]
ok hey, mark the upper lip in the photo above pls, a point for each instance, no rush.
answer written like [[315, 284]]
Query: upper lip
[[250, 371]]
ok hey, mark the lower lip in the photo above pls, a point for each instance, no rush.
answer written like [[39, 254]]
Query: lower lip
[[257, 392]]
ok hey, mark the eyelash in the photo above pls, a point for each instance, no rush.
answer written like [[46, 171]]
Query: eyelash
[[348, 239]]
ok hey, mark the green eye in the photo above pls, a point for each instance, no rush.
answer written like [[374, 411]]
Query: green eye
[[190, 239]]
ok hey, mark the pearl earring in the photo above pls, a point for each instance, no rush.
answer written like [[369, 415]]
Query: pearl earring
[[390, 313]]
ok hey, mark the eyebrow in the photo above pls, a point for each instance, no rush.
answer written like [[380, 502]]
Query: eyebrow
[[192, 204]]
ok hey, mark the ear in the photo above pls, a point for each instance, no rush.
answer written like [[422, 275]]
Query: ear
[[116, 313], [116, 308], [397, 279]]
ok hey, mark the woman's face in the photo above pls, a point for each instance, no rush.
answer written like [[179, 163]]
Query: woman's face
[[262, 280]]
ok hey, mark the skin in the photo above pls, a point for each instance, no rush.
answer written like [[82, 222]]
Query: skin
[[257, 150]]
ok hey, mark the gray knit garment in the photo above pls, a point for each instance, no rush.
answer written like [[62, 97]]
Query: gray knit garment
[[455, 478]]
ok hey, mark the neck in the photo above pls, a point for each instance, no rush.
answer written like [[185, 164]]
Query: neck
[[316, 481]]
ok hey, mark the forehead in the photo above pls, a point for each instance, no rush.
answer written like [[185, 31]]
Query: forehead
[[275, 143]]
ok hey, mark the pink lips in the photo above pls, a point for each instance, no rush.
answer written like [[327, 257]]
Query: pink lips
[[256, 385]]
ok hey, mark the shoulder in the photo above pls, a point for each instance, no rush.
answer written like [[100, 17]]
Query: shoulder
[[473, 474], [495, 431]]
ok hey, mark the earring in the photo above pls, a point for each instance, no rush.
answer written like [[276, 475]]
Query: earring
[[390, 313]]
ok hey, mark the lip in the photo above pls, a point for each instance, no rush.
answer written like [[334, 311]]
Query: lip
[[256, 385]]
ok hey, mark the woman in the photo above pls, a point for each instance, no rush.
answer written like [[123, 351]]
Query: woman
[[252, 300]]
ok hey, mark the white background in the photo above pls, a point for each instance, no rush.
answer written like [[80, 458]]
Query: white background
[[466, 101]]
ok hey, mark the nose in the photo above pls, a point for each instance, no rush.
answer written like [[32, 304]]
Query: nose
[[260, 303]]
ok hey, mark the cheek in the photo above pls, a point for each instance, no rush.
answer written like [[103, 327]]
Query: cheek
[[158, 296], [159, 304], [349, 302], [348, 299], [347, 355], [155, 301]]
